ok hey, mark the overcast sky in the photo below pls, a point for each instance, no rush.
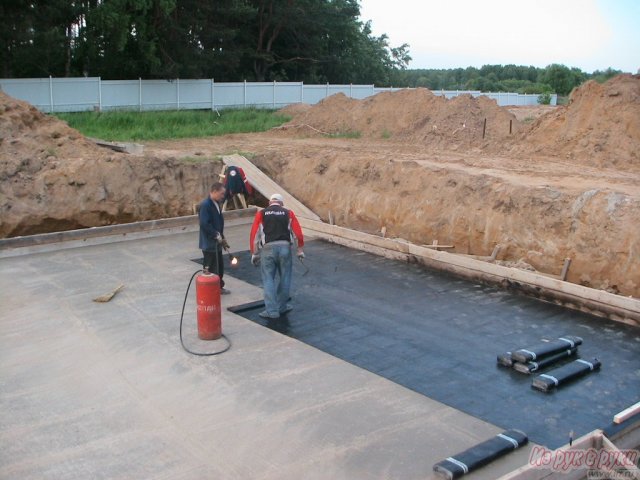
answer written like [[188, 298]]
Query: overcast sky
[[588, 34]]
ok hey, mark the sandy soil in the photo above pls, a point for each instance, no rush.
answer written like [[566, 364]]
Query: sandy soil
[[565, 183], [530, 113]]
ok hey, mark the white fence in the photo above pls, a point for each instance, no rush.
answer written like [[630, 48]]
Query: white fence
[[92, 93]]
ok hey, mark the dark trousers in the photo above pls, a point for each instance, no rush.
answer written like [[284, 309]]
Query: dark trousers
[[213, 263]]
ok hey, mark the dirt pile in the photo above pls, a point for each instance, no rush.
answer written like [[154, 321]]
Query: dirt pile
[[52, 178], [529, 113], [383, 115], [294, 109], [34, 137], [600, 126], [415, 115]]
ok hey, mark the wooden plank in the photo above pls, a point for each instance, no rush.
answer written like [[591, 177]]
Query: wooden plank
[[591, 440], [621, 469], [437, 246], [627, 413], [565, 269], [263, 184], [574, 296]]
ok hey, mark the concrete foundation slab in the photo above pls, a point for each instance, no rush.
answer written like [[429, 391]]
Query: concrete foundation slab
[[104, 390]]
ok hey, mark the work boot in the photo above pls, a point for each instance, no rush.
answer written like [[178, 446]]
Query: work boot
[[265, 314], [286, 309], [224, 291]]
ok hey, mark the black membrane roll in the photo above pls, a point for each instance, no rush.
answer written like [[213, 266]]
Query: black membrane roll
[[546, 382], [505, 359], [536, 352], [531, 367], [481, 454]]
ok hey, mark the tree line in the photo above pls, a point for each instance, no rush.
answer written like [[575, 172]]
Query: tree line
[[554, 78], [314, 41]]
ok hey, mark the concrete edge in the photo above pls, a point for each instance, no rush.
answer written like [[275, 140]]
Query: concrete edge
[[15, 246]]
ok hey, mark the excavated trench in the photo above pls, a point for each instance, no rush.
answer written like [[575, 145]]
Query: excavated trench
[[537, 227]]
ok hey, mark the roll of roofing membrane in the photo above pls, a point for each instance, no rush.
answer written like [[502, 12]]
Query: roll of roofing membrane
[[531, 354], [481, 454], [505, 359], [546, 382], [544, 362]]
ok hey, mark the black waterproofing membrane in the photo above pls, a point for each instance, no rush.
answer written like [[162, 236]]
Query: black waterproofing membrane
[[546, 382], [544, 362], [438, 335], [531, 354], [480, 455]]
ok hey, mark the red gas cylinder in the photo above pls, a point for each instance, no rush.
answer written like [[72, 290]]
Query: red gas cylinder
[[208, 310]]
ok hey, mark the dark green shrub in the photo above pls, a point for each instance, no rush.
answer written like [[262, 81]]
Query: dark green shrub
[[544, 98]]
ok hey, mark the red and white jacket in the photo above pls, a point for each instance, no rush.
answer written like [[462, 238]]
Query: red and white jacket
[[275, 223], [235, 181]]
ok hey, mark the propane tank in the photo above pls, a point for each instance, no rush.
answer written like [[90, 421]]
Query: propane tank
[[208, 309]]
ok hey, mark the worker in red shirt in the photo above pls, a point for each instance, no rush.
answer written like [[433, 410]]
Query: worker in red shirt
[[273, 233]]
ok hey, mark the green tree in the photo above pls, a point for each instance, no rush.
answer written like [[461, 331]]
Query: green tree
[[206, 39], [325, 42], [544, 98], [15, 37], [37, 38], [230, 40], [603, 76], [561, 78], [123, 39]]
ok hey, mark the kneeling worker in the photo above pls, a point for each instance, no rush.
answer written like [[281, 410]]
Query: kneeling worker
[[275, 229]]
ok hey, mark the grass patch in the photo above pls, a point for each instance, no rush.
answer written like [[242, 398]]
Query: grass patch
[[162, 125], [386, 134]]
